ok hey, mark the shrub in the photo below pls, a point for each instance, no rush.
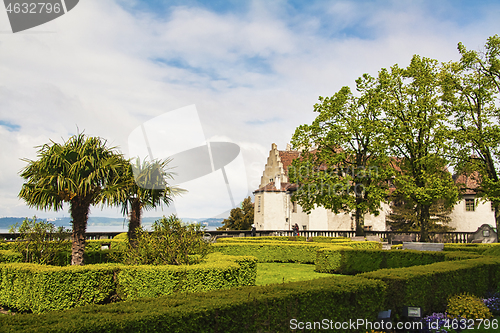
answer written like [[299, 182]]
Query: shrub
[[303, 252], [41, 288], [262, 239], [272, 251], [39, 241], [243, 310], [171, 242], [429, 286], [492, 251], [346, 260], [436, 323], [323, 239], [492, 301], [467, 306], [478, 248], [122, 236], [216, 272], [7, 256]]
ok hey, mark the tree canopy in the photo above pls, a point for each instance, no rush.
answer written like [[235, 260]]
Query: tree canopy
[[418, 136], [343, 164], [240, 218], [82, 171], [146, 186], [472, 91]]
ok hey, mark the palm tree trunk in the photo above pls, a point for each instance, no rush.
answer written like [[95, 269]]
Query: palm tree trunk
[[135, 222], [79, 214]]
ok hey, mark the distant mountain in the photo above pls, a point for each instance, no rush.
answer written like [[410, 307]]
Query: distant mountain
[[119, 222]]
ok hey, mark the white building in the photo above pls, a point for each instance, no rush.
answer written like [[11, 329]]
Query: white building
[[274, 209]]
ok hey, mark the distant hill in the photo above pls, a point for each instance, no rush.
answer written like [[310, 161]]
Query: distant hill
[[119, 222]]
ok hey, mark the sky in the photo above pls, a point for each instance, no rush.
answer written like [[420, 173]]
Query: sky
[[191, 73]]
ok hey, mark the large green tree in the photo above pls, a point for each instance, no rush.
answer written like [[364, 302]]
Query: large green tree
[[240, 218], [82, 171], [146, 187], [343, 164], [418, 134], [472, 91], [403, 216]]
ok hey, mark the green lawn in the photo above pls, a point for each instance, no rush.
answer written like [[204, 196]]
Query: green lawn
[[269, 273]]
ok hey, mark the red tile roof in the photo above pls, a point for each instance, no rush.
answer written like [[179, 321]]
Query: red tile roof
[[287, 157], [285, 187], [470, 182]]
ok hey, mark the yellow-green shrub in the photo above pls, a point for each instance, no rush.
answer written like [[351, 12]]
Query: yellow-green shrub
[[216, 272], [303, 252], [478, 248], [7, 256], [467, 306], [262, 239], [242, 310], [41, 288], [347, 260], [429, 286]]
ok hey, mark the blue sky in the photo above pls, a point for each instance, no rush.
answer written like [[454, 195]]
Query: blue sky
[[254, 70]]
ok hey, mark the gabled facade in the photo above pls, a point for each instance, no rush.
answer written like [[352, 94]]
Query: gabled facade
[[274, 209]]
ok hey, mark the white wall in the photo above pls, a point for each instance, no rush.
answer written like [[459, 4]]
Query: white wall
[[470, 221]]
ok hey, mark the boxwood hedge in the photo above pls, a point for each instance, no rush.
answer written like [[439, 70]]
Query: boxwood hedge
[[39, 288], [346, 260], [429, 286], [303, 252], [245, 309]]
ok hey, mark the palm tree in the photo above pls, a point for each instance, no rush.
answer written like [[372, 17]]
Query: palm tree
[[83, 172], [147, 188]]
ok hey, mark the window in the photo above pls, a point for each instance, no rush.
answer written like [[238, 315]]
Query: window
[[294, 207], [469, 205], [258, 204]]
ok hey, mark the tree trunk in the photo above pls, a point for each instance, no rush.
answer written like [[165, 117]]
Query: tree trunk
[[135, 222], [424, 218], [497, 217], [79, 214], [360, 223]]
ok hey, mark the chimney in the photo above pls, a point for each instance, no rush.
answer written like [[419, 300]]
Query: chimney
[[277, 183]]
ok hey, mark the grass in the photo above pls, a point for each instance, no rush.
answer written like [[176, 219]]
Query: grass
[[269, 273]]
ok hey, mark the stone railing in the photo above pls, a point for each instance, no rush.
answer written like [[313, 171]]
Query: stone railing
[[389, 236]]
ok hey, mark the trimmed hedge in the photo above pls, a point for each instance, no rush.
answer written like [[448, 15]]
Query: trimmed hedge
[[7, 256], [323, 239], [90, 245], [492, 251], [40, 288], [262, 239], [217, 272], [352, 261], [346, 260], [429, 286], [247, 309], [271, 251], [478, 248], [303, 252], [90, 257]]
